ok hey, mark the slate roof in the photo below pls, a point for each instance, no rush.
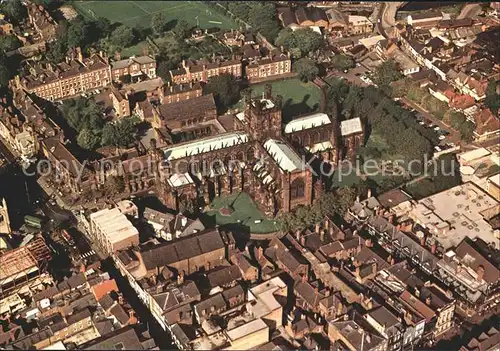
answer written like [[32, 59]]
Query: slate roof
[[184, 248], [125, 337]]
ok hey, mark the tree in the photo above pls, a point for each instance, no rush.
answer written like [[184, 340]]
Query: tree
[[306, 69], [119, 134], [492, 100], [182, 30], [158, 23], [226, 90], [78, 33], [300, 42], [114, 185], [103, 26], [82, 114], [388, 72], [343, 62], [466, 130], [15, 10], [9, 43], [88, 139], [122, 36], [4, 74]]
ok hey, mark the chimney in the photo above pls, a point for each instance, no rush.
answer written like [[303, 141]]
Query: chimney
[[368, 242], [120, 299], [180, 278], [428, 300], [357, 198], [391, 218], [118, 56], [297, 235], [260, 251], [79, 54], [433, 248], [316, 228], [302, 316], [322, 235], [422, 240], [303, 241], [369, 193], [304, 278], [327, 223]]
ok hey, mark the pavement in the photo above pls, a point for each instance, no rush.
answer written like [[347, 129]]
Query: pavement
[[453, 137]]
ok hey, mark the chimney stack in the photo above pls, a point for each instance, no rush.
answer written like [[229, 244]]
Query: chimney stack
[[369, 193], [433, 248], [322, 235], [480, 273], [316, 228]]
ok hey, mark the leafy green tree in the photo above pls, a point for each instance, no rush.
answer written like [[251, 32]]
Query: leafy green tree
[[388, 72], [343, 62], [103, 27], [466, 130], [122, 36], [492, 100], [120, 133], [78, 33], [300, 42], [182, 30], [15, 10], [158, 24], [226, 90], [306, 69], [88, 139], [82, 114], [286, 38], [9, 43], [4, 74]]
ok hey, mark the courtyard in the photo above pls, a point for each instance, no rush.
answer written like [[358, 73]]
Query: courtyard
[[139, 13], [298, 97], [244, 212]]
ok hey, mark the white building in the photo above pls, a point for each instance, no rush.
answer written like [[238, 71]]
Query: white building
[[112, 230]]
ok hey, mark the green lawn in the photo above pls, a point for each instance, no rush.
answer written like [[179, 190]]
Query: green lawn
[[298, 98], [245, 213], [139, 13]]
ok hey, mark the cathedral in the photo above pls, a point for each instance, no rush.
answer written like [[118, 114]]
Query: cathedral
[[259, 155]]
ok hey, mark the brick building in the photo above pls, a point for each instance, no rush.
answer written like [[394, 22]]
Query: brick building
[[275, 64], [201, 71], [134, 69], [75, 76]]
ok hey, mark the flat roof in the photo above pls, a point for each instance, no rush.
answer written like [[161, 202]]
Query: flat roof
[[246, 329], [307, 122], [461, 209], [474, 154], [351, 126], [181, 179], [495, 179], [201, 146], [114, 224], [286, 158], [371, 41]]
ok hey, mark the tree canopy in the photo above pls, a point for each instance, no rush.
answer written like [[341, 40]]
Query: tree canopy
[[343, 62], [182, 29], [306, 69], [492, 100], [122, 36], [226, 90], [261, 16], [301, 42], [388, 72], [15, 10], [120, 133], [9, 43]]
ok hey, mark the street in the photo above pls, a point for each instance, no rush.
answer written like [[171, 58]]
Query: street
[[24, 195]]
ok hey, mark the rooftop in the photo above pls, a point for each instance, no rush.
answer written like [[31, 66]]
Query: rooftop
[[457, 213], [286, 158], [201, 146], [246, 329], [351, 126], [114, 225], [307, 122]]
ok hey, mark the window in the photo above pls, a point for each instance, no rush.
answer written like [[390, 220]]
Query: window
[[297, 189]]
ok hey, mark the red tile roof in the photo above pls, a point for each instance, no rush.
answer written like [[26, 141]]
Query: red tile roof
[[103, 288]]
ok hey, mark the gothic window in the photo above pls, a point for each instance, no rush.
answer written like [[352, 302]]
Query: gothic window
[[297, 189], [324, 135], [307, 140], [250, 154], [240, 156], [316, 138]]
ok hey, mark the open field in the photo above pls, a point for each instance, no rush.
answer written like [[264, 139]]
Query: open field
[[138, 13]]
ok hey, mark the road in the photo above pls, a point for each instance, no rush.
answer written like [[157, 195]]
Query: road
[[387, 17], [469, 11], [24, 195]]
